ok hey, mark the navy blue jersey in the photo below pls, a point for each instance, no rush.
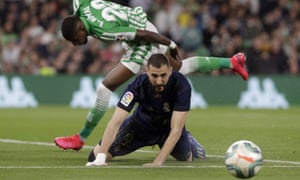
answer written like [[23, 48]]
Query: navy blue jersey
[[156, 110]]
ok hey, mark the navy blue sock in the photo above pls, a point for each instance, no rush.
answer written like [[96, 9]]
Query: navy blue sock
[[91, 157]]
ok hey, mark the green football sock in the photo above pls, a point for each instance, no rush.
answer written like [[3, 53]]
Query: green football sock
[[97, 112], [91, 122], [207, 64], [204, 64]]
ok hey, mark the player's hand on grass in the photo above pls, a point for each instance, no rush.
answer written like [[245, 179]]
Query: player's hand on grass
[[91, 164], [99, 161], [152, 165]]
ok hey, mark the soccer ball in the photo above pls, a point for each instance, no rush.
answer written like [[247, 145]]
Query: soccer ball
[[243, 159]]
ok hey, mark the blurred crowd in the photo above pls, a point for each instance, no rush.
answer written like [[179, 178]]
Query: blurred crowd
[[268, 31]]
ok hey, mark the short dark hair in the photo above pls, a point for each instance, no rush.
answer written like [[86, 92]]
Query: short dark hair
[[158, 60], [68, 27]]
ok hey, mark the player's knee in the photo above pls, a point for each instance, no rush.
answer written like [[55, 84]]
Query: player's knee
[[175, 63], [107, 84], [183, 157], [103, 92]]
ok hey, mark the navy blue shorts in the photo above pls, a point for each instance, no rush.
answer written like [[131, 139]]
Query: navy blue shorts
[[133, 135]]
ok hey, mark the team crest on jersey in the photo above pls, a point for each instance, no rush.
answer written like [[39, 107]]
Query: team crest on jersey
[[166, 107], [127, 98]]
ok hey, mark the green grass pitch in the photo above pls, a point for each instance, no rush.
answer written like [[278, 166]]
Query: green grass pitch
[[27, 150]]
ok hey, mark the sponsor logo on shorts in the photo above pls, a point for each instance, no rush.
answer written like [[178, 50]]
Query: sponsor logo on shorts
[[127, 98]]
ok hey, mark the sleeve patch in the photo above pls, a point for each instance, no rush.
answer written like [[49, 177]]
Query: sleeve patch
[[127, 98]]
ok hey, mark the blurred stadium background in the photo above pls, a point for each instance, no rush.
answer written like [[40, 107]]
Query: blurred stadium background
[[33, 51], [268, 31]]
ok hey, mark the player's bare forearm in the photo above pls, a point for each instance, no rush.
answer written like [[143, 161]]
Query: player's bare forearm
[[112, 129], [177, 123], [101, 152], [168, 146]]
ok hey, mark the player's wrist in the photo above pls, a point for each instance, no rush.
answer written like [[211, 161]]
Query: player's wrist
[[100, 158], [172, 45]]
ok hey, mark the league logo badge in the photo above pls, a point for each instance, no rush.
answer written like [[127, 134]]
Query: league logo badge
[[127, 98]]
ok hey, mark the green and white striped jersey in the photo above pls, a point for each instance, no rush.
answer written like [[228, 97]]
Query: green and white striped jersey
[[109, 21]]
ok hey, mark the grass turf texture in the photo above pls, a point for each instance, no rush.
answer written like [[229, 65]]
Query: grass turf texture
[[277, 132]]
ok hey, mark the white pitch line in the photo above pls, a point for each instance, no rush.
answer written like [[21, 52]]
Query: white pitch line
[[282, 162], [108, 167], [13, 141], [131, 167]]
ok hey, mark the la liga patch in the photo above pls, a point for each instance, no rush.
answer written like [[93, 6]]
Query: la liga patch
[[127, 98]]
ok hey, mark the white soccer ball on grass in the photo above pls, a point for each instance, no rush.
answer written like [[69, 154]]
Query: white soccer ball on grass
[[243, 159]]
